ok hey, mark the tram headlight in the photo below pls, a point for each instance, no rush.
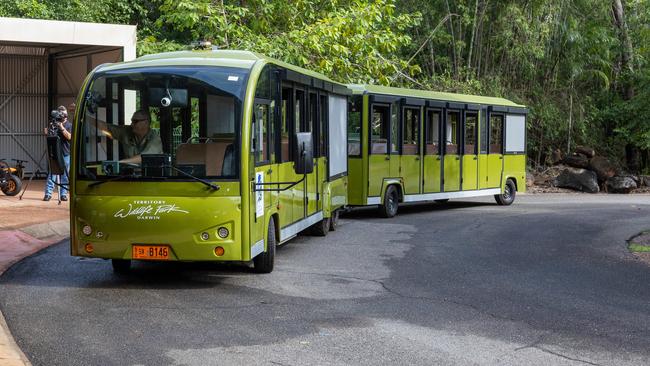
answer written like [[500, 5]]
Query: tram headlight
[[223, 232], [205, 236], [87, 230]]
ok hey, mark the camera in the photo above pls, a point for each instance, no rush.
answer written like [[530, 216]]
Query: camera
[[56, 116]]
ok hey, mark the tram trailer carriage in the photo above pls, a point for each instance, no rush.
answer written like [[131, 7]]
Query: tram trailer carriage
[[410, 146], [243, 152]]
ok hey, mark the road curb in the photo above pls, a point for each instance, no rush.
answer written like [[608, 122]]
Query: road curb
[[18, 244]]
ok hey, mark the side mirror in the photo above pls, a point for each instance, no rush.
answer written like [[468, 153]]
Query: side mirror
[[55, 156], [303, 153]]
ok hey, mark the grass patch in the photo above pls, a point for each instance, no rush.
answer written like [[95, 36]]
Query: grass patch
[[638, 248]]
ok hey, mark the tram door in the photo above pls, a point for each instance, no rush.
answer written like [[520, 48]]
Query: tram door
[[432, 158], [452, 133], [470, 151], [411, 158], [379, 147]]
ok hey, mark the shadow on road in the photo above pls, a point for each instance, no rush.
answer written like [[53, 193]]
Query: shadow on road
[[406, 209]]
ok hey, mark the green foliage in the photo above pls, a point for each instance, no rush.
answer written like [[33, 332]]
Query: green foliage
[[562, 59], [355, 41]]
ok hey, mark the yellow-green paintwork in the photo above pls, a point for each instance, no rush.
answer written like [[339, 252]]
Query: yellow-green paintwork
[[483, 172], [232, 207], [432, 164], [514, 167], [495, 168], [470, 172], [371, 174], [451, 173], [410, 172]]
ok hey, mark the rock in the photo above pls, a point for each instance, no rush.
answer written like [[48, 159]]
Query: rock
[[644, 180], [530, 179], [603, 168], [576, 161], [586, 151], [556, 157], [579, 179], [620, 184]]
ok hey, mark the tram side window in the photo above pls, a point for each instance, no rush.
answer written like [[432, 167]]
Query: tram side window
[[496, 134], [471, 120], [354, 126], [433, 133], [285, 121], [451, 133], [379, 129], [483, 133], [411, 132], [324, 124], [262, 136], [394, 128], [312, 121]]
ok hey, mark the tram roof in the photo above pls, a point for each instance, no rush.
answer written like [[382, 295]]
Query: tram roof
[[431, 95], [224, 58]]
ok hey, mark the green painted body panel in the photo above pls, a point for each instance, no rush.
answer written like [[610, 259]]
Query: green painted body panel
[[470, 172], [495, 167], [395, 166], [483, 172], [337, 192], [452, 173], [172, 214], [431, 173], [290, 206], [378, 169], [514, 167], [233, 206], [410, 173], [356, 194]]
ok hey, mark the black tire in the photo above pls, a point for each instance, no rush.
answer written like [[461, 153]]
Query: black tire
[[508, 196], [334, 220], [442, 200], [121, 266], [13, 186], [321, 228], [391, 202], [263, 263]]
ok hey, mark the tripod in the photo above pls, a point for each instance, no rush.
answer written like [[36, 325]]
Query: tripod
[[57, 183]]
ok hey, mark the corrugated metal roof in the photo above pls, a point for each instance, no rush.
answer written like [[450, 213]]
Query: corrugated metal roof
[[22, 50]]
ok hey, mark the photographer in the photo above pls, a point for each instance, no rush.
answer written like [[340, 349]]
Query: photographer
[[61, 127]]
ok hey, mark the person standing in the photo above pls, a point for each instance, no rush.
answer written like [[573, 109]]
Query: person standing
[[64, 131]]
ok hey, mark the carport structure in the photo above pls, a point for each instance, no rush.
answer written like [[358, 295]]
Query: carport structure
[[43, 64]]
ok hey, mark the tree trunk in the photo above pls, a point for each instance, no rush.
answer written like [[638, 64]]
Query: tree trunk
[[626, 46]]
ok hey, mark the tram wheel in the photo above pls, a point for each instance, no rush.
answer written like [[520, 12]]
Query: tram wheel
[[334, 220], [322, 227], [391, 201], [263, 263], [121, 266], [508, 196]]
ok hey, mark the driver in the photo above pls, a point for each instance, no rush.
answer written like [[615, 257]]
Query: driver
[[135, 139]]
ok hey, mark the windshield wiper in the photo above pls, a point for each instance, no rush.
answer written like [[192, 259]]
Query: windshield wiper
[[119, 177], [212, 186]]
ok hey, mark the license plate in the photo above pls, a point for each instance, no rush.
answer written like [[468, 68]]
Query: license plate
[[153, 252]]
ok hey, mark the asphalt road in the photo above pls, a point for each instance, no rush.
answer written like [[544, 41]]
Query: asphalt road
[[545, 281]]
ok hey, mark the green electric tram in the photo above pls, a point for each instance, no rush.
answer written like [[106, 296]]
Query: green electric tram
[[222, 155], [205, 156], [412, 145]]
